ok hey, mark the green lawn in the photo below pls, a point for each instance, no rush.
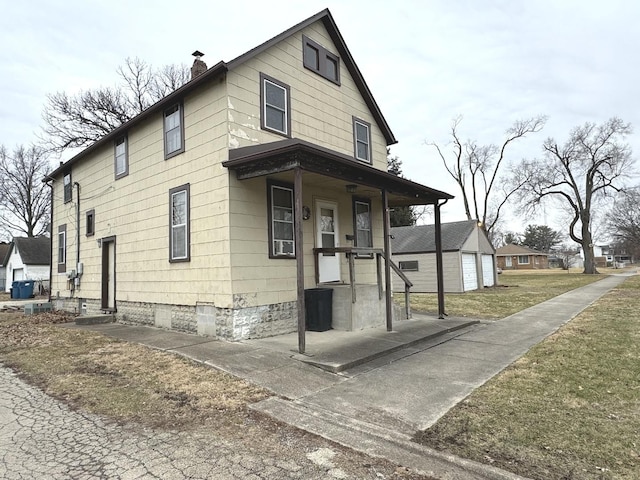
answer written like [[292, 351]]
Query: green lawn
[[515, 292], [569, 409]]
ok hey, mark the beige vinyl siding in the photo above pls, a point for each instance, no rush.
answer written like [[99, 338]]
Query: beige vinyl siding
[[321, 112], [258, 279], [425, 279], [135, 209]]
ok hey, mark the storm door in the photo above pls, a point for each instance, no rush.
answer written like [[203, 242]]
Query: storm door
[[327, 237]]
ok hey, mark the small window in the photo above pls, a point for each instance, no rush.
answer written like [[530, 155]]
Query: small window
[[121, 157], [362, 140], [62, 248], [320, 60], [173, 131], [362, 223], [523, 259], [281, 224], [68, 187], [91, 222], [276, 110], [179, 220], [408, 266]]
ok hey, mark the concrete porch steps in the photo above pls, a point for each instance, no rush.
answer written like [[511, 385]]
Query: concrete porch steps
[[377, 441], [95, 319]]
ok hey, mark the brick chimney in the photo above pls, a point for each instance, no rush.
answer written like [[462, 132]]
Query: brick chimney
[[198, 67]]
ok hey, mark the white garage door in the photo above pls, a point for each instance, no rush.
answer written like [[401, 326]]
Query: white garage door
[[487, 270], [18, 274], [469, 272]]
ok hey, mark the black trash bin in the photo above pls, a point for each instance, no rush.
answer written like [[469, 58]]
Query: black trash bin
[[318, 308]]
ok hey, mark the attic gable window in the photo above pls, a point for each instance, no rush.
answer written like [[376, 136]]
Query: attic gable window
[[173, 130], [362, 140], [68, 187], [275, 101], [320, 60]]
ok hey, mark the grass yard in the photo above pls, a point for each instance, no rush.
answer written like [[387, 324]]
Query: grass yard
[[569, 409], [516, 292]]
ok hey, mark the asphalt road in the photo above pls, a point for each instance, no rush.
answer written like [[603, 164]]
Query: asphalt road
[[42, 438]]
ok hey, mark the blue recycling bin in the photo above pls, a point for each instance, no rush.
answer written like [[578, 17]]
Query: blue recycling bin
[[25, 288], [15, 289]]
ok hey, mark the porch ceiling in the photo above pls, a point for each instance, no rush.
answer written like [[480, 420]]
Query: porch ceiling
[[286, 155]]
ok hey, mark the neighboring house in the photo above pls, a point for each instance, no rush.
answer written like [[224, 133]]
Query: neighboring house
[[206, 212], [517, 257], [4, 250], [468, 257], [28, 259]]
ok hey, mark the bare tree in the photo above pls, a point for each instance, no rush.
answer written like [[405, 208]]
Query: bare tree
[[75, 121], [24, 199], [624, 221], [476, 169], [590, 165]]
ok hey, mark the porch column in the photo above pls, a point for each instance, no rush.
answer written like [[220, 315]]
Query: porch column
[[439, 268], [387, 259], [297, 235]]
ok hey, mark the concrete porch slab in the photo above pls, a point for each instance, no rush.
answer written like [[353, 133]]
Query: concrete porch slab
[[338, 351]]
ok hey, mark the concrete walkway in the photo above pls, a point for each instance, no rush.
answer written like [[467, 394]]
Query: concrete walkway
[[377, 405]]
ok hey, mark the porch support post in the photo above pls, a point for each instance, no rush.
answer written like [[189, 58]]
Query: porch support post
[[297, 221], [387, 259], [439, 263]]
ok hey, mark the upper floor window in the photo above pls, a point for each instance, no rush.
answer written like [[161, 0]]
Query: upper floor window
[[275, 106], [121, 157], [68, 187], [362, 140], [362, 223], [173, 130], [320, 60], [281, 225], [179, 242]]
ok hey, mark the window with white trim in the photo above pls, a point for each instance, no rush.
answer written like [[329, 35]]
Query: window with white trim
[[362, 140], [173, 130], [121, 157], [275, 102], [281, 222], [179, 241], [62, 248], [523, 259], [68, 187]]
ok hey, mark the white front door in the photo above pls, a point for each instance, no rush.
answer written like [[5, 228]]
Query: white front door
[[327, 237]]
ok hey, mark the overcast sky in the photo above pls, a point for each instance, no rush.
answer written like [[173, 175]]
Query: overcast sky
[[426, 62]]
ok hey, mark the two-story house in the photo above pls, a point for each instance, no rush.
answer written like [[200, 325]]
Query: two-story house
[[205, 212]]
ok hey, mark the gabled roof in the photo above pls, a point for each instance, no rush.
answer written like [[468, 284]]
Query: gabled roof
[[222, 67], [512, 249], [422, 238], [33, 251], [4, 253]]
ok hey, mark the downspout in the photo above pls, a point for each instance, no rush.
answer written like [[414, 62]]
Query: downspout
[[76, 280], [46, 180], [439, 263]]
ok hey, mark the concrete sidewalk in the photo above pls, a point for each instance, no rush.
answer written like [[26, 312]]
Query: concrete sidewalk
[[408, 380]]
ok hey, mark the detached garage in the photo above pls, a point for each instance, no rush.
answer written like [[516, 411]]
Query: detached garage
[[468, 257]]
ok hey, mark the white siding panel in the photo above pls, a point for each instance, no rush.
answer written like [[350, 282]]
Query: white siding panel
[[488, 270], [469, 272]]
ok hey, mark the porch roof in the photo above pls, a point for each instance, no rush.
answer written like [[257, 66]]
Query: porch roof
[[286, 155]]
